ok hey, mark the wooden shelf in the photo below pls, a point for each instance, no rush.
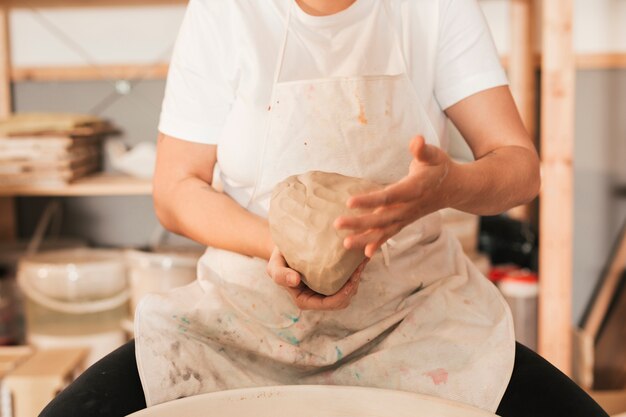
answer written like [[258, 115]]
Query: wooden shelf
[[583, 61], [159, 71], [85, 73], [103, 184]]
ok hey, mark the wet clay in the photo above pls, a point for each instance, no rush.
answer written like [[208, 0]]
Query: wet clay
[[302, 211]]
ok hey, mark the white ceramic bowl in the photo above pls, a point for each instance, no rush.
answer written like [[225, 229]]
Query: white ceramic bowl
[[75, 274], [159, 271], [312, 401]]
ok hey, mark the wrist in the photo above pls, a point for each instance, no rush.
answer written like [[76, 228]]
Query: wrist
[[451, 185]]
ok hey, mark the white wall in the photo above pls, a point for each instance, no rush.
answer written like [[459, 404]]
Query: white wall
[[143, 34], [599, 25], [120, 35]]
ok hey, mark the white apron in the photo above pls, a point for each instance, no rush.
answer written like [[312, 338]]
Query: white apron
[[424, 319]]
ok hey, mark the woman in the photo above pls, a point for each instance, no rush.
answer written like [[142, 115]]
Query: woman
[[361, 87]]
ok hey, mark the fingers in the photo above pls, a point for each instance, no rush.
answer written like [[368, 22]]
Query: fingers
[[362, 239], [372, 239], [371, 248], [408, 188], [402, 191], [304, 297], [307, 299], [378, 219], [278, 270]]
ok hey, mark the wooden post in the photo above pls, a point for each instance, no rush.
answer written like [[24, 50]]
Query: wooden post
[[522, 64], [521, 74], [7, 204], [556, 203], [5, 64]]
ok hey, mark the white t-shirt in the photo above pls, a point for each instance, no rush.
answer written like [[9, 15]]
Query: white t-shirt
[[224, 64]]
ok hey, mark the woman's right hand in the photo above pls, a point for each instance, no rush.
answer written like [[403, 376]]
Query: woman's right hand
[[304, 297]]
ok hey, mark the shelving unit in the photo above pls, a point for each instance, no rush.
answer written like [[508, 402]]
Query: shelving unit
[[522, 63], [102, 184]]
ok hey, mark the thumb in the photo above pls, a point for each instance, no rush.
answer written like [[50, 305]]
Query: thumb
[[423, 152], [278, 270]]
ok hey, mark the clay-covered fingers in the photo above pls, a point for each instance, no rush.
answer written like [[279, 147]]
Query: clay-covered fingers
[[280, 273], [310, 300], [306, 299]]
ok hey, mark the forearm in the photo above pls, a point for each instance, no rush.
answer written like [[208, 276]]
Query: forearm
[[194, 209], [502, 179]]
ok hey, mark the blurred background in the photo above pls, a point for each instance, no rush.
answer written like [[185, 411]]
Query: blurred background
[[81, 84]]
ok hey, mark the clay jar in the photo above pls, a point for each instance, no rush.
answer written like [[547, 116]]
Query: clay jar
[[302, 211]]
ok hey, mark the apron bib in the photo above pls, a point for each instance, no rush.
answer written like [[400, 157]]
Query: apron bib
[[424, 319]]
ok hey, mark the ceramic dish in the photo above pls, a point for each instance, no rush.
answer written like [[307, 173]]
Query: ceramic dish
[[312, 401]]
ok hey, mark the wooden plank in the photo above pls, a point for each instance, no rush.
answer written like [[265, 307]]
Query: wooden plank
[[601, 61], [522, 66], [556, 203], [608, 285], [589, 61], [613, 402], [610, 354], [7, 205], [38, 379], [102, 184], [583, 355], [522, 78], [5, 64], [505, 60], [159, 71], [11, 356], [79, 73]]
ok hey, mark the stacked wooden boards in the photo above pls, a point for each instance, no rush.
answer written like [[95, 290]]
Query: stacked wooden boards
[[49, 149]]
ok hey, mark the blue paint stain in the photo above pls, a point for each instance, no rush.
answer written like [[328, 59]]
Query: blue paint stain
[[293, 319], [289, 338], [339, 353], [185, 320], [357, 375], [182, 329]]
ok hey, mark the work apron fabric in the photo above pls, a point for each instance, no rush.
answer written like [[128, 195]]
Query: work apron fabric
[[424, 319]]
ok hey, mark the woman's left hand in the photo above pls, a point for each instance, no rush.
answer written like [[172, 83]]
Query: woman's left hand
[[421, 192]]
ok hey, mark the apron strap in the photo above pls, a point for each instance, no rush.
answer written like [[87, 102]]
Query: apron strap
[[278, 67]]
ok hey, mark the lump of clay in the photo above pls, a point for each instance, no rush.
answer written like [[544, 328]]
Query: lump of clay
[[302, 211]]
